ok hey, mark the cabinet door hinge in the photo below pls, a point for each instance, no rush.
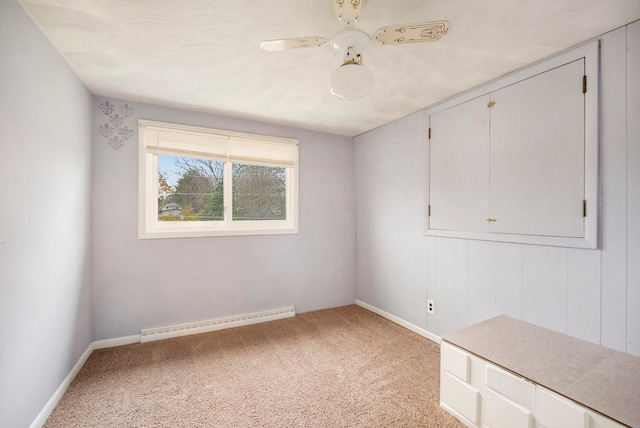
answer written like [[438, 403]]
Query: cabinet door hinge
[[584, 84], [491, 104], [429, 133], [429, 211], [584, 208]]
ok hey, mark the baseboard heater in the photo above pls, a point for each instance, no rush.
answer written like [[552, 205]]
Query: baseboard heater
[[159, 333]]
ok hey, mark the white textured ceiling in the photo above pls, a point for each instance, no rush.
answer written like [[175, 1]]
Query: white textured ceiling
[[204, 54]]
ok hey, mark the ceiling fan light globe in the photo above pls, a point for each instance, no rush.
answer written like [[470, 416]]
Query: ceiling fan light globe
[[351, 81]]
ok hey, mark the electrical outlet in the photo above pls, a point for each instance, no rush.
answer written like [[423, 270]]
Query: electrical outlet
[[431, 307]]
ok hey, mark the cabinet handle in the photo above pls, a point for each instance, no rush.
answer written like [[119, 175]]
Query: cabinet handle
[[491, 220]]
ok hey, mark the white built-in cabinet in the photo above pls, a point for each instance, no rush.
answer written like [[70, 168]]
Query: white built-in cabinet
[[483, 395], [516, 161]]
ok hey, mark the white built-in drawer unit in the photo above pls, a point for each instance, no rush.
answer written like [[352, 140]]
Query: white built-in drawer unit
[[507, 373], [483, 395]]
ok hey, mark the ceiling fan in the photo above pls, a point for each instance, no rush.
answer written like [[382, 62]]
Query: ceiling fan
[[351, 80]]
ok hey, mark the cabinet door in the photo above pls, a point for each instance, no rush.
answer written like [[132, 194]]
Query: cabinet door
[[459, 167], [537, 154]]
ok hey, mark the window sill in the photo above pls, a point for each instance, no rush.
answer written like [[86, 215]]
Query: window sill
[[184, 232]]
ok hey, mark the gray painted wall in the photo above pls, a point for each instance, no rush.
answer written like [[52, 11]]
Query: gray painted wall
[[391, 267], [590, 294], [45, 134], [141, 284], [65, 190]]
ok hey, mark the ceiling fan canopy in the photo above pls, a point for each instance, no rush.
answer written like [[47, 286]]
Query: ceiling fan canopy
[[352, 80]]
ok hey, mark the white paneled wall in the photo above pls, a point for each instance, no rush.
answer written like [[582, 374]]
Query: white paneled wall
[[590, 294], [557, 288], [509, 281], [545, 286], [481, 280], [461, 284], [583, 283], [633, 188], [613, 159], [445, 276]]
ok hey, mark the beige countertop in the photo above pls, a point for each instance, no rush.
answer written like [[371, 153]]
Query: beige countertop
[[600, 378]]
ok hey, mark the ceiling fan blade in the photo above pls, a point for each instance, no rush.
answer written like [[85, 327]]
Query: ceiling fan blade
[[304, 42], [348, 10], [412, 33]]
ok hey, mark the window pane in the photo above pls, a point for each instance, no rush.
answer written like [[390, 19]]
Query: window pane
[[190, 189], [259, 192]]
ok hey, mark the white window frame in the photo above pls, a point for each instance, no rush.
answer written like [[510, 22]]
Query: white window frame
[[148, 225]]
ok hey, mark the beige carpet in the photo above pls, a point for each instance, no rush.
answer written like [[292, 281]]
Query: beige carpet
[[342, 367]]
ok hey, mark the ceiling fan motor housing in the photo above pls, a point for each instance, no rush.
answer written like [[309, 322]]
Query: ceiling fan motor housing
[[350, 38]]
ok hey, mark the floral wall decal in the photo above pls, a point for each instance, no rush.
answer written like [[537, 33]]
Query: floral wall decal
[[115, 128], [106, 130], [106, 107]]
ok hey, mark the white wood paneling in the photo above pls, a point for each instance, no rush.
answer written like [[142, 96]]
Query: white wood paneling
[[481, 281], [590, 294], [446, 285], [613, 165], [461, 283], [584, 294], [544, 287], [405, 200], [633, 186], [432, 270], [509, 280]]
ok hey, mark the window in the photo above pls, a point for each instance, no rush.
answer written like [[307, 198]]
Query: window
[[206, 182]]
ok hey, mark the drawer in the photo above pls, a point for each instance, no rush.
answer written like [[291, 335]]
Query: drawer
[[512, 387], [498, 412], [455, 361], [458, 397], [554, 411]]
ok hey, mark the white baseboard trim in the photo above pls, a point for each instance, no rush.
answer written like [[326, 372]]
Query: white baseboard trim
[[53, 401], [118, 341], [149, 335], [207, 326], [422, 332]]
